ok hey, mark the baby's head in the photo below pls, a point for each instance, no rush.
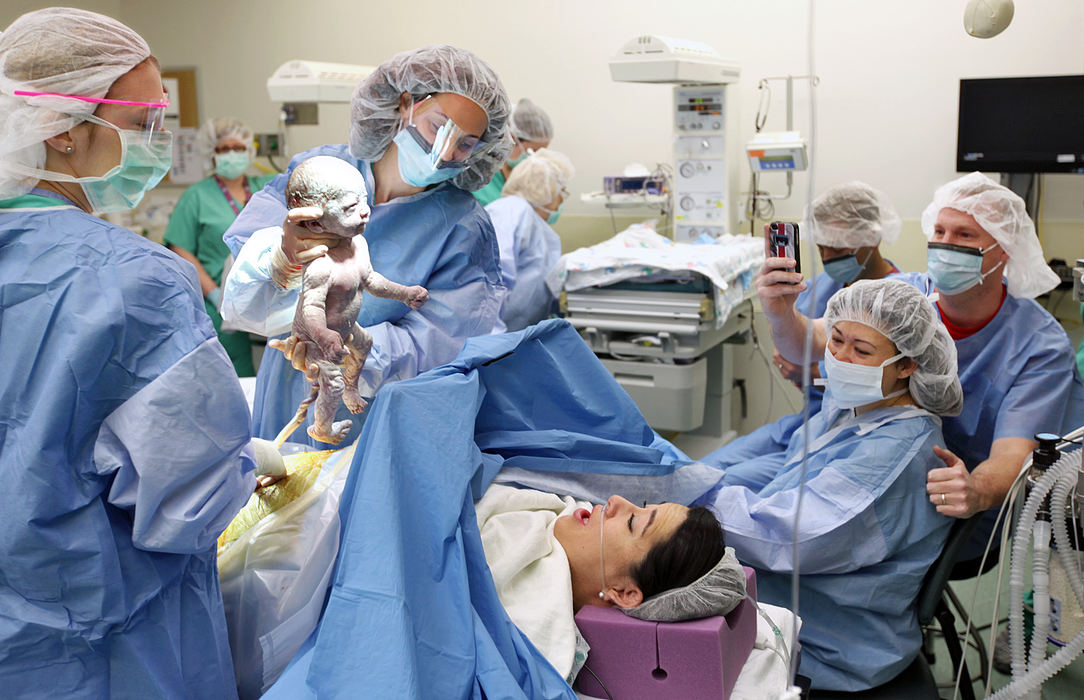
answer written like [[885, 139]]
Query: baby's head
[[336, 187]]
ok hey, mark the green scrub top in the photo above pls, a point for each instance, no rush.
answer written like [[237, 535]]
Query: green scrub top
[[492, 191], [197, 223], [200, 218]]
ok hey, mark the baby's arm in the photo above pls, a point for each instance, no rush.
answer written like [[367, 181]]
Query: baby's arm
[[311, 319], [380, 286]]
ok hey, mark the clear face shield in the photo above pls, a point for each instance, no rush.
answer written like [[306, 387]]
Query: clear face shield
[[448, 145], [148, 118]]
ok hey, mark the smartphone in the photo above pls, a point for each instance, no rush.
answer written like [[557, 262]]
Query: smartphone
[[783, 242]]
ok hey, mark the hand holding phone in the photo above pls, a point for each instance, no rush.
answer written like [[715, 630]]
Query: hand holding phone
[[783, 240]]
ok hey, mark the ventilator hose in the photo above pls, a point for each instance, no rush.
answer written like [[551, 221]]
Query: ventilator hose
[[1025, 680]]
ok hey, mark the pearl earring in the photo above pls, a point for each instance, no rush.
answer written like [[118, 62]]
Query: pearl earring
[[69, 149], [600, 595]]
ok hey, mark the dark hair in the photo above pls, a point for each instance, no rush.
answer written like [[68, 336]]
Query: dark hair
[[695, 547]]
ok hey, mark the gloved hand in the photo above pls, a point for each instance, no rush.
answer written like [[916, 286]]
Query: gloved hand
[[215, 297], [299, 246], [269, 465]]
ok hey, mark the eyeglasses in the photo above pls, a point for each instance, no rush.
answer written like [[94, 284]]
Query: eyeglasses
[[150, 119]]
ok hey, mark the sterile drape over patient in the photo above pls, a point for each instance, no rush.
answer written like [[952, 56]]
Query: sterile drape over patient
[[413, 611]]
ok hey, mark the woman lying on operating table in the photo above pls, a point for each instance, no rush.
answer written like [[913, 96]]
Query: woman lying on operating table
[[550, 556]]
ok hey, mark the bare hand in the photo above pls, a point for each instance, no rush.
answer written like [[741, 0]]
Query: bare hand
[[790, 371], [951, 488], [267, 480], [299, 244], [777, 297], [416, 296], [297, 352]]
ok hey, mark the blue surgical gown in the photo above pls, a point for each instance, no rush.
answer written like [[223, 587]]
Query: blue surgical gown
[[868, 534], [529, 250], [440, 238], [1019, 378], [123, 456], [413, 611]]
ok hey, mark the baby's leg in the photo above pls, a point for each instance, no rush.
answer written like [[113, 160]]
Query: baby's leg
[[358, 345], [324, 427]]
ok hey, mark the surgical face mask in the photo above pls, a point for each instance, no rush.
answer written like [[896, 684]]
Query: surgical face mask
[[146, 157], [553, 214], [522, 156], [956, 268], [845, 268], [854, 385], [231, 164], [424, 161]]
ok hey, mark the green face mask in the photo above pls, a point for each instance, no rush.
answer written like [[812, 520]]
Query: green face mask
[[517, 161], [554, 213], [145, 159], [231, 164]]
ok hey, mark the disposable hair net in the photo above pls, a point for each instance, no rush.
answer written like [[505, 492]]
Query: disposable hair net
[[61, 50], [852, 215], [905, 316], [1001, 213], [214, 130], [374, 110], [715, 593], [540, 177], [530, 123]]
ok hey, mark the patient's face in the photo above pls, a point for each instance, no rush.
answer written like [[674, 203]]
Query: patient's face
[[628, 534]]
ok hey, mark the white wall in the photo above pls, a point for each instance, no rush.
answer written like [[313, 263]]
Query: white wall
[[886, 110], [887, 97]]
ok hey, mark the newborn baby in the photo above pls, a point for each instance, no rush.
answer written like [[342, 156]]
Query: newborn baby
[[325, 323]]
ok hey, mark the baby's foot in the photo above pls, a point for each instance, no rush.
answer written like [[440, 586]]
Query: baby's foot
[[354, 402], [335, 435]]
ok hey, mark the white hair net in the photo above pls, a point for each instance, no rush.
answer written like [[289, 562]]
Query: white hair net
[[715, 593], [1001, 213], [530, 123], [905, 316], [214, 130], [540, 177], [61, 50], [374, 110], [852, 215]]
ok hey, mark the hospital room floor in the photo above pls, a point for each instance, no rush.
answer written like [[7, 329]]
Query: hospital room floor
[[1063, 686]]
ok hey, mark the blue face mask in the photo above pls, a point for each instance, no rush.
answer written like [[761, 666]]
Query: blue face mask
[[956, 268], [853, 385], [845, 268], [420, 165]]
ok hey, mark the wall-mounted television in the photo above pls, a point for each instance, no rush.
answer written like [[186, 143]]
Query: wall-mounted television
[[1021, 125]]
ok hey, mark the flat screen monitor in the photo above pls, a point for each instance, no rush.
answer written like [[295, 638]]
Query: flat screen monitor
[[1021, 125]]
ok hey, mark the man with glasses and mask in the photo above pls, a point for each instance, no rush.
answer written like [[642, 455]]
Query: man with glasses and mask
[[1016, 365]]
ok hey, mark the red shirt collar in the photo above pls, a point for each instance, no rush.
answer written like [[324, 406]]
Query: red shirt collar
[[961, 332]]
